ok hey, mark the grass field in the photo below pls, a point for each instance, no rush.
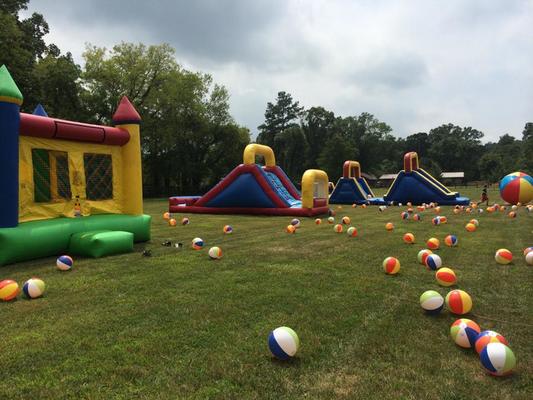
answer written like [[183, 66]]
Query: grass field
[[178, 325]]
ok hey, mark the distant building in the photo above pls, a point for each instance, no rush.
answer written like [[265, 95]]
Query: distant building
[[453, 178], [386, 179]]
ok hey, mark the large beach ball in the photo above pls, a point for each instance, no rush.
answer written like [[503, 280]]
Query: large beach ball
[[409, 238], [433, 262], [346, 220], [470, 227], [528, 250], [33, 288], [228, 229], [172, 222], [517, 188], [338, 228], [529, 258], [486, 337], [422, 255], [450, 240], [185, 221], [331, 220], [318, 221], [166, 215], [503, 256], [64, 263], [446, 277], [436, 220], [474, 221], [391, 265], [432, 302], [215, 253], [433, 243], [389, 226], [296, 223], [352, 231], [417, 217], [9, 290], [458, 302], [464, 332], [498, 359], [404, 215], [197, 244], [290, 229], [283, 342]]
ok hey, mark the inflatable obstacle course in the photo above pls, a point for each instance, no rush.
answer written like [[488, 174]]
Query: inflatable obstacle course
[[254, 189], [352, 187]]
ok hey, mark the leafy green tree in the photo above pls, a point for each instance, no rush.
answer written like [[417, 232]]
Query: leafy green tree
[[318, 126], [335, 151], [292, 151], [527, 148]]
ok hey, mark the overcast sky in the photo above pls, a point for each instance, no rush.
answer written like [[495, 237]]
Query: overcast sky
[[414, 64]]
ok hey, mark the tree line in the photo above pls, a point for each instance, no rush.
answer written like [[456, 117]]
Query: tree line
[[189, 138]]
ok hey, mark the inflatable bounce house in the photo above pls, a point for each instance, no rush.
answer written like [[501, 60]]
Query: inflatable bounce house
[[417, 186], [352, 188], [67, 187], [254, 189]]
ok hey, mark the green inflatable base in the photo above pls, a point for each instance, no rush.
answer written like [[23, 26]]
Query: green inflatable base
[[37, 239], [101, 243]]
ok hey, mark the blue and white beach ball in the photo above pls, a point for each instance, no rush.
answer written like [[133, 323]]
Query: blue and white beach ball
[[283, 343]]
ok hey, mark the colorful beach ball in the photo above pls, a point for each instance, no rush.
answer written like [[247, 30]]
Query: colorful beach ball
[[512, 214], [417, 217], [172, 222], [338, 228], [474, 221], [331, 220], [33, 288], [450, 240], [228, 229], [445, 277], [528, 250], [529, 258], [404, 215], [352, 231], [433, 243], [64, 263], [391, 265], [470, 227], [409, 238], [422, 255], [458, 302], [432, 302], [295, 222], [464, 332], [290, 229], [389, 226], [346, 220], [517, 188], [185, 221], [318, 221], [283, 343], [433, 262], [436, 221], [486, 337], [215, 253], [197, 244], [166, 215], [498, 359], [9, 290], [503, 256]]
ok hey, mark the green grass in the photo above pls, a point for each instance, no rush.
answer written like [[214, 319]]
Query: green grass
[[178, 325]]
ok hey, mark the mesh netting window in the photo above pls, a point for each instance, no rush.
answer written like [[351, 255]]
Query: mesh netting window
[[98, 176], [50, 176]]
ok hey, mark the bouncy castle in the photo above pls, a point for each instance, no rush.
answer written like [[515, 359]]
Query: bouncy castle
[[254, 189], [68, 187]]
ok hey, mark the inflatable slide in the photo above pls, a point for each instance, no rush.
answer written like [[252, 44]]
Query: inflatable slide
[[254, 189], [352, 188]]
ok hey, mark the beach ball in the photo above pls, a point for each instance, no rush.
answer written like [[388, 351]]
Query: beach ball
[[389, 226], [346, 220], [474, 221], [503, 256], [437, 209], [529, 258], [318, 221], [33, 288], [9, 289], [227, 229], [468, 210], [409, 238], [470, 227], [458, 302], [443, 219], [331, 220], [283, 343], [391, 265], [417, 217], [436, 220], [422, 255], [433, 243], [382, 208], [354, 205], [464, 332], [296, 223], [528, 250], [433, 262], [450, 240], [185, 221], [290, 229], [512, 214], [352, 231], [410, 210], [215, 253], [338, 228], [404, 215], [172, 222], [363, 205], [456, 211], [498, 359], [486, 337], [197, 244], [515, 207], [166, 215], [516, 187], [432, 302], [445, 277], [64, 263]]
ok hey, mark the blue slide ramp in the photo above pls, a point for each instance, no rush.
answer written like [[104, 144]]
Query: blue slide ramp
[[281, 190]]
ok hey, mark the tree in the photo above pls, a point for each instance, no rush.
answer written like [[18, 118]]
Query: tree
[[318, 126], [335, 151], [527, 148], [292, 151]]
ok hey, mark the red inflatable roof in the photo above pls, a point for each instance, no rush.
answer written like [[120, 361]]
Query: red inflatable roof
[[126, 113]]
